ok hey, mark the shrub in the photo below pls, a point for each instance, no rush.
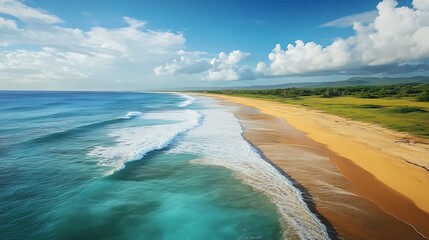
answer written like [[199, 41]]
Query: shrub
[[368, 106], [406, 109], [424, 97], [366, 95]]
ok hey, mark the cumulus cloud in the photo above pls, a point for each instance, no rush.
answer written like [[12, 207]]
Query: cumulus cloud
[[388, 40], [421, 4], [35, 46], [58, 52], [308, 57], [224, 67], [397, 36], [187, 62]]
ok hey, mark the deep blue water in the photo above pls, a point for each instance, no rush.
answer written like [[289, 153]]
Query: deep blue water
[[106, 165]]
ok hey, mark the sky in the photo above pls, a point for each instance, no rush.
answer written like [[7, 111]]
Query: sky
[[169, 44]]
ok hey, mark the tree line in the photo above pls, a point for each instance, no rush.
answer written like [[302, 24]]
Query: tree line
[[419, 91]]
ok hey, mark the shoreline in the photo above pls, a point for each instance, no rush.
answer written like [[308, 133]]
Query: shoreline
[[398, 214], [306, 195]]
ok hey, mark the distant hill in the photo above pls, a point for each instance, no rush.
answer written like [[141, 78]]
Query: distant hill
[[355, 81]]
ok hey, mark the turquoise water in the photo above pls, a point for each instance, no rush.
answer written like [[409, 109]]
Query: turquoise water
[[165, 197], [79, 165]]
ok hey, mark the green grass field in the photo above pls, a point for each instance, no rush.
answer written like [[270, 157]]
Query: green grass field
[[401, 114]]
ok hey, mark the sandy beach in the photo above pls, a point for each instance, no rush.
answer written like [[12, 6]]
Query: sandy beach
[[365, 181]]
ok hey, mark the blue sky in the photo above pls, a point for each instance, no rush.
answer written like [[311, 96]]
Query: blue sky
[[143, 45], [215, 26]]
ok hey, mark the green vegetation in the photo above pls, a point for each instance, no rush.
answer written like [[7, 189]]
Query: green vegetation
[[368, 106], [423, 97], [402, 107], [356, 81], [406, 109]]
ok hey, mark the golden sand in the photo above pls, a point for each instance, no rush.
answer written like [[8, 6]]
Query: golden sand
[[373, 183], [351, 200], [401, 165]]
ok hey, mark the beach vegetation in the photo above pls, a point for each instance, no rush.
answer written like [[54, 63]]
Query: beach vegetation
[[401, 107], [423, 97], [406, 109], [368, 106]]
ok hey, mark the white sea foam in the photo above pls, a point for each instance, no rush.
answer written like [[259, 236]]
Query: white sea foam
[[132, 115], [188, 100], [132, 143], [181, 115], [218, 140]]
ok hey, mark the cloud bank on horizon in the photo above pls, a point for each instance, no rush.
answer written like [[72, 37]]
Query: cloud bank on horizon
[[36, 47], [396, 37]]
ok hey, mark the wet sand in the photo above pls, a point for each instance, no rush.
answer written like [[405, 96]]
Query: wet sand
[[350, 199]]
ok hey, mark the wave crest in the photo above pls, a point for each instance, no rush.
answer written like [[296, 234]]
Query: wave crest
[[132, 143], [188, 100], [132, 114]]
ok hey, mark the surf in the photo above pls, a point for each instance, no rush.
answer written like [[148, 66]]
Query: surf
[[218, 142], [188, 100], [133, 143]]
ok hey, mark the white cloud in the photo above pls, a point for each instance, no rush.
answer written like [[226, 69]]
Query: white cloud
[[261, 68], [134, 23], [224, 67], [42, 65], [9, 24], [187, 62], [133, 41], [223, 75], [348, 21], [229, 60], [35, 47], [57, 52], [398, 35], [421, 4], [308, 57], [19, 10]]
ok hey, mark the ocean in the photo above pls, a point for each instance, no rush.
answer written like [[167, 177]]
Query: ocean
[[130, 165]]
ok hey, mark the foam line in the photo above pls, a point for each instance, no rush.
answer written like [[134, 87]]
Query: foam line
[[188, 100], [219, 142]]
